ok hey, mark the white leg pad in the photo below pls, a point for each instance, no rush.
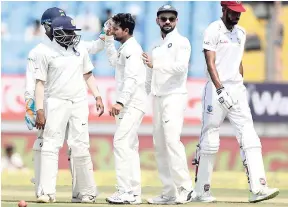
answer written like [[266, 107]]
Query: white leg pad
[[204, 172], [84, 174], [48, 173]]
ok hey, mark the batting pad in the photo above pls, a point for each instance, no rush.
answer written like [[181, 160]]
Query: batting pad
[[84, 175]]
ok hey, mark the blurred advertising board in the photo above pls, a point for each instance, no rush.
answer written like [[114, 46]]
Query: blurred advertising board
[[13, 104], [274, 149], [268, 101]]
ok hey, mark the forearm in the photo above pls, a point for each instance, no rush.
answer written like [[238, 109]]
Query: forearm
[[210, 57], [39, 94], [215, 77], [90, 81], [171, 68], [241, 71], [94, 46]]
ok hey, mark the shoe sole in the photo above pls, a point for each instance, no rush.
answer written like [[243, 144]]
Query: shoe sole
[[125, 202], [273, 195], [172, 203]]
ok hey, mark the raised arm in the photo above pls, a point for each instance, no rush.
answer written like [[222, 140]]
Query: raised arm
[[111, 50], [94, 46]]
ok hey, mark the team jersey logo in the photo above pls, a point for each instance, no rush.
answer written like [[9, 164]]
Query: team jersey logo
[[167, 7], [73, 22], [209, 109]]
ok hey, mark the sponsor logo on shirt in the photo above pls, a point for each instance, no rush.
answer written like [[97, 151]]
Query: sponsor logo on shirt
[[223, 41]]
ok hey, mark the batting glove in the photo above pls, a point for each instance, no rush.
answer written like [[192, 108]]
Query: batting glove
[[224, 98], [30, 116]]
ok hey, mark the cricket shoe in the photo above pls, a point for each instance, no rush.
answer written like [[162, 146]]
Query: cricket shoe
[[162, 200], [137, 201], [184, 196], [264, 194], [120, 197], [206, 197], [84, 199], [46, 199]]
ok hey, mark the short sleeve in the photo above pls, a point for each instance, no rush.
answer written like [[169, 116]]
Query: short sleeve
[[41, 67], [210, 39]]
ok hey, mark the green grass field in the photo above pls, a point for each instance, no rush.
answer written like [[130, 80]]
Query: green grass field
[[16, 187]]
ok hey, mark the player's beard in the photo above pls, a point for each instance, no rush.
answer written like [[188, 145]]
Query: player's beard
[[230, 21], [166, 31]]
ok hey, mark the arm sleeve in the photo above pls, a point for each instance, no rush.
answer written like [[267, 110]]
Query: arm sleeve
[[210, 39], [149, 73], [87, 64], [181, 63], [95, 46], [132, 65], [30, 77], [41, 67], [111, 50]]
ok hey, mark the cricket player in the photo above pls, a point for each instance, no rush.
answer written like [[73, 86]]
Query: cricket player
[[169, 68], [92, 47], [225, 96], [64, 66], [131, 99]]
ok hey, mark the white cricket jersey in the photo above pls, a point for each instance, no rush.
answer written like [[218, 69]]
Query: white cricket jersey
[[130, 72], [170, 60], [229, 49], [92, 47], [62, 70]]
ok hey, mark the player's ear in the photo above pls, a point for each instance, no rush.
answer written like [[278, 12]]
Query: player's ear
[[157, 21], [126, 30]]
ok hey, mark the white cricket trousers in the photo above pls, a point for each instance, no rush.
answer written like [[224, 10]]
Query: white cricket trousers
[[59, 113], [126, 146], [241, 120], [168, 117]]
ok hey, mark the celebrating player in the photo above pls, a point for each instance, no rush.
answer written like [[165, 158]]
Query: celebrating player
[[168, 66], [63, 65], [130, 75], [93, 47], [225, 96]]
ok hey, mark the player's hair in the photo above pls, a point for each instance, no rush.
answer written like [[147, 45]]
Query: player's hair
[[124, 20]]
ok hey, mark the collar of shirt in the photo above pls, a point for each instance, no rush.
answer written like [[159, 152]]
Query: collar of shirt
[[224, 29], [61, 49], [125, 43]]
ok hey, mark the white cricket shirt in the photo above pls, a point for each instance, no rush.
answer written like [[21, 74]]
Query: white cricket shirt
[[229, 48], [170, 60], [130, 72], [92, 47], [63, 70]]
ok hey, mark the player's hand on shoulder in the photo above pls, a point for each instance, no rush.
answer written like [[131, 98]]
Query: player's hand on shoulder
[[225, 99], [40, 119], [147, 60], [30, 115], [99, 106], [115, 110]]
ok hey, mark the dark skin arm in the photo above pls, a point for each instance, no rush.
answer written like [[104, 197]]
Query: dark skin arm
[[241, 71], [210, 57]]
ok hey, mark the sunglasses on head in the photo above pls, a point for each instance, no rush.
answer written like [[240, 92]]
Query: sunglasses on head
[[171, 19]]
